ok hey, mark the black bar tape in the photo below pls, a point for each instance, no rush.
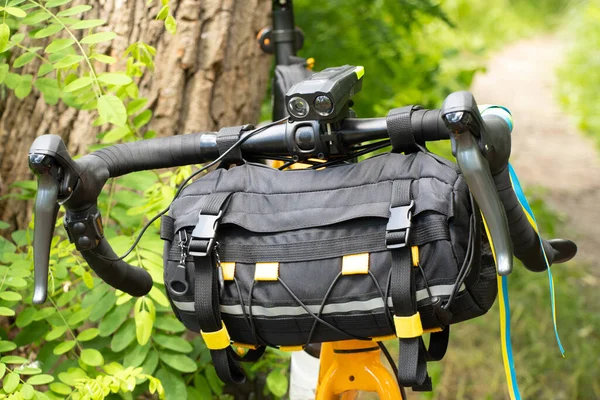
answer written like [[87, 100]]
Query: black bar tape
[[526, 242], [427, 125], [135, 281], [165, 152]]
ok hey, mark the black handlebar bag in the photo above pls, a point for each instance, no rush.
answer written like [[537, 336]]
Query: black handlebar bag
[[390, 246]]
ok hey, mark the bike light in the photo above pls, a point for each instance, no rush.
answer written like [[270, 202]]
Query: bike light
[[298, 107], [326, 95]]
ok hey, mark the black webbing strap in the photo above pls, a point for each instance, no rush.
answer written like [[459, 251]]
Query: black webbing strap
[[226, 138], [412, 364], [206, 290], [167, 228], [400, 129]]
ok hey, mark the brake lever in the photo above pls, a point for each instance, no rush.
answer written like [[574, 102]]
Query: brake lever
[[57, 176], [474, 152]]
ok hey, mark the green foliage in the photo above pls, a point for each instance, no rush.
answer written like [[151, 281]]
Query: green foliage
[[414, 52], [580, 75]]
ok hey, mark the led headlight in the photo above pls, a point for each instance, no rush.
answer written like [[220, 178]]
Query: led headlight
[[325, 96]]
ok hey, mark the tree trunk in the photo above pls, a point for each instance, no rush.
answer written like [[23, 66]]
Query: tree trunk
[[210, 74]]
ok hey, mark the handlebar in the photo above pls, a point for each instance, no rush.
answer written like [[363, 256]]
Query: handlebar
[[480, 143]]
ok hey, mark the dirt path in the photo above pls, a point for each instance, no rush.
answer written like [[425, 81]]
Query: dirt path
[[548, 151]]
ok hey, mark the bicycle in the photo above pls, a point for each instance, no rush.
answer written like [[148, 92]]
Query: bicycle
[[345, 366]]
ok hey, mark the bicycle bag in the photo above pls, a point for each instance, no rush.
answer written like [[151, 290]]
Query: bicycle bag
[[390, 246]]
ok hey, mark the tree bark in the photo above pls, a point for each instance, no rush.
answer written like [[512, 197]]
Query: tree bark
[[210, 74]]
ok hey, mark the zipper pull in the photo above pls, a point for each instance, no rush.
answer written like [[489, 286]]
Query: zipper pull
[[178, 283]]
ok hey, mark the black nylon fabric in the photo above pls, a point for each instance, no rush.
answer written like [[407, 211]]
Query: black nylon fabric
[[307, 221]]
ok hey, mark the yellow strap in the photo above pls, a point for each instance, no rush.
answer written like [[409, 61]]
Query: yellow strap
[[266, 271], [408, 327], [355, 264], [228, 269], [291, 348], [432, 330], [216, 340], [382, 338], [415, 255]]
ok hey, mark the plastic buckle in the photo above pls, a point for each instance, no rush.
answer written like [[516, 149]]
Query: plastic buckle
[[205, 229], [400, 220]]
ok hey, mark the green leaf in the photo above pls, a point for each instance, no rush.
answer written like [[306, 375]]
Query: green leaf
[[10, 296], [103, 58], [175, 387], [88, 334], [169, 324], [87, 24], [99, 37], [11, 381], [178, 362], [213, 380], [29, 371], [27, 391], [48, 31], [21, 91], [72, 376], [115, 79], [44, 69], [277, 383], [150, 364], [174, 343], [114, 135], [14, 282], [112, 110], [4, 36], [104, 301], [202, 386], [3, 73], [58, 45], [25, 317], [56, 3], [12, 80], [6, 346], [92, 357], [16, 12], [69, 61], [60, 388], [74, 10], [123, 337], [171, 24], [44, 313], [13, 360], [56, 333], [36, 17], [142, 119], [79, 316], [136, 105], [113, 320], [162, 14], [136, 356], [6, 312], [63, 347], [143, 327], [42, 379], [49, 88], [13, 3], [78, 83], [2, 370], [23, 59]]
